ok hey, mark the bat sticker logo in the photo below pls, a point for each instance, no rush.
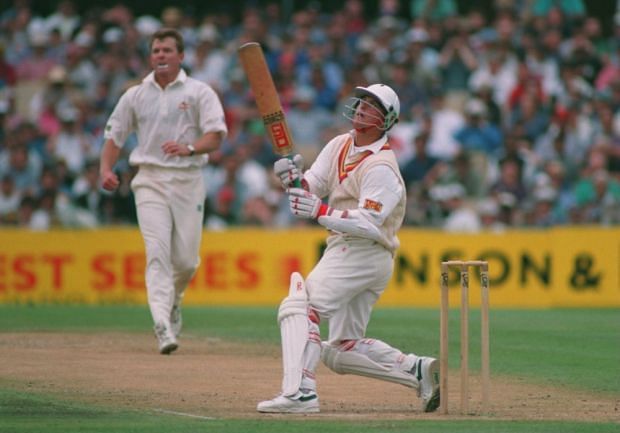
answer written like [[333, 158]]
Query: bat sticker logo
[[279, 134]]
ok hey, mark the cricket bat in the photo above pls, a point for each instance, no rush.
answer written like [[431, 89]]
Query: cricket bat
[[267, 99]]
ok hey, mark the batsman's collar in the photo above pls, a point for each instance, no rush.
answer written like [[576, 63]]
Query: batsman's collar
[[373, 147]]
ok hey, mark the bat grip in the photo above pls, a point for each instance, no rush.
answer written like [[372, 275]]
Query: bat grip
[[296, 182]]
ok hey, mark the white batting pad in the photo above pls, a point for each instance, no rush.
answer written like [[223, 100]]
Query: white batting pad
[[293, 320], [351, 362]]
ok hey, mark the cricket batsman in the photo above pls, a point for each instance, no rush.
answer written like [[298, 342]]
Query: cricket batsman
[[358, 176]]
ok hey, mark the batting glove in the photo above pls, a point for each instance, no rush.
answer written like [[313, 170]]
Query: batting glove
[[289, 170], [304, 204]]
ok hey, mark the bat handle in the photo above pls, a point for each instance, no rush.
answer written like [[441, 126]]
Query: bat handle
[[296, 182]]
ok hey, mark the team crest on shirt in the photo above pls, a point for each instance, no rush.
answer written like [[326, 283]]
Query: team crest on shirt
[[183, 106], [373, 205]]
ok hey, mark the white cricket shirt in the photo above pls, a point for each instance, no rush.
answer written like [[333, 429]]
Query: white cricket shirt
[[380, 185]]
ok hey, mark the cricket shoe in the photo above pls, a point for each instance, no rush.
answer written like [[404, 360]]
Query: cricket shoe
[[427, 373], [166, 339], [302, 402], [176, 320]]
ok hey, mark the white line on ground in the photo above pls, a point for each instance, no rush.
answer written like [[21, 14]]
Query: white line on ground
[[189, 415]]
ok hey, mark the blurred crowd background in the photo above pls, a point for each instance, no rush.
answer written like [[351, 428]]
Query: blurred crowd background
[[510, 114]]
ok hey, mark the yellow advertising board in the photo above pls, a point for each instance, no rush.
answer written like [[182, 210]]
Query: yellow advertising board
[[566, 267]]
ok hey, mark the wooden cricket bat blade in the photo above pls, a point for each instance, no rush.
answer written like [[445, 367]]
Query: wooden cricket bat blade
[[266, 96]]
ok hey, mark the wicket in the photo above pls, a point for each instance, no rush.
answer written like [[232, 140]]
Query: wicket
[[484, 340]]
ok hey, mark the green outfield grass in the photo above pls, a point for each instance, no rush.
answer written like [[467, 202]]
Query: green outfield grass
[[574, 348]]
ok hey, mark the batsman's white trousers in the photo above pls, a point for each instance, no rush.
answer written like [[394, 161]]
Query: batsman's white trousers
[[170, 207], [346, 283]]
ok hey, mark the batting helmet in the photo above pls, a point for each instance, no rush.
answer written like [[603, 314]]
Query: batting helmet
[[386, 97]]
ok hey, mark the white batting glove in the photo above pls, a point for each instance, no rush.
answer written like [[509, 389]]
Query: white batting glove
[[304, 204], [289, 170]]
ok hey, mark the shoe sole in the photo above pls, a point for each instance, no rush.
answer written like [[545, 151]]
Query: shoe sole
[[168, 349], [433, 402], [290, 410]]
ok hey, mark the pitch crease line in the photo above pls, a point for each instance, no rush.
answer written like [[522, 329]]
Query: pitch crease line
[[189, 415]]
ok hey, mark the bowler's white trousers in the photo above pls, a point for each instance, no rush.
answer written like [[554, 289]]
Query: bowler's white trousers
[[346, 283], [170, 207]]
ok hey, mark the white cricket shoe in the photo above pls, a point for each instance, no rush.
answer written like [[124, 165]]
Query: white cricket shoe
[[165, 337], [176, 320], [298, 403], [427, 373]]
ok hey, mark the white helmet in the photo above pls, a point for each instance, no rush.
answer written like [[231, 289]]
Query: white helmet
[[388, 99]]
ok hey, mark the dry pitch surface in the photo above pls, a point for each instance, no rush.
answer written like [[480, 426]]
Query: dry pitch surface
[[214, 378]]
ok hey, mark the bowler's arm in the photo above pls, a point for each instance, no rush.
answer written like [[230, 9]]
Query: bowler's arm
[[207, 143], [109, 155]]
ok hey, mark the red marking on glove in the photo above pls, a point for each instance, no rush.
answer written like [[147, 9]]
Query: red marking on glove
[[323, 210]]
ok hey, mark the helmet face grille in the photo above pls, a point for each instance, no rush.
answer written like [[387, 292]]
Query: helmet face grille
[[386, 119]]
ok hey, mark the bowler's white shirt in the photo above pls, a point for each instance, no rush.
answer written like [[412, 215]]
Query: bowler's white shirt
[[184, 111]]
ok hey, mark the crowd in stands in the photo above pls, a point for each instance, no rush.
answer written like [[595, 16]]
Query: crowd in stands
[[509, 117]]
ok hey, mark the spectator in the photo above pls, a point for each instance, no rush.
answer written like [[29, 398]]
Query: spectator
[[220, 213], [529, 116], [10, 198], [481, 143], [489, 211], [15, 22], [433, 9], [422, 58], [422, 167], [307, 123], [567, 138], [71, 144], [28, 217], [412, 95], [8, 80], [82, 74], [497, 68], [541, 209], [46, 103], [22, 164], [460, 215], [478, 134], [571, 8], [210, 63], [446, 120], [86, 190], [510, 181], [545, 72], [457, 61], [65, 19], [38, 65]]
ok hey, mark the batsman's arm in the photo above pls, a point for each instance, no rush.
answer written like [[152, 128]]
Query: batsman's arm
[[304, 204]]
